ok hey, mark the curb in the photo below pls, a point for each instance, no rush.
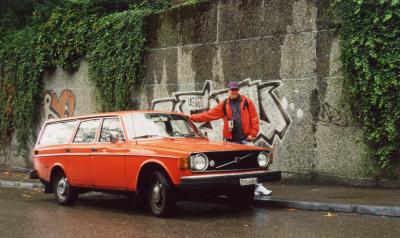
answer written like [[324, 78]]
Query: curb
[[19, 184], [392, 211]]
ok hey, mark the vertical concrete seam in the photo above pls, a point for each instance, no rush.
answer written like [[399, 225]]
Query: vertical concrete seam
[[262, 10], [218, 20], [317, 97], [178, 48], [263, 63], [179, 27]]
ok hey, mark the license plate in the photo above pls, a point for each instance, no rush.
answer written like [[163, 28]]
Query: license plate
[[247, 181]]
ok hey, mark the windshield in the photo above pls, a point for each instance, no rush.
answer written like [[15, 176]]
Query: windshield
[[147, 125]]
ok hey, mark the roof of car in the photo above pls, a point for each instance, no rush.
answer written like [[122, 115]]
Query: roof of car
[[109, 114]]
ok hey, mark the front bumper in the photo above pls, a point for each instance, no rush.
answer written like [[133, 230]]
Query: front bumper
[[226, 180]]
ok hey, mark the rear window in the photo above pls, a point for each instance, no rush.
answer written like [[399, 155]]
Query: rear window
[[57, 133]]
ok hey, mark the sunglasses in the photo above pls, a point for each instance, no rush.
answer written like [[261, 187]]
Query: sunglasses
[[234, 89]]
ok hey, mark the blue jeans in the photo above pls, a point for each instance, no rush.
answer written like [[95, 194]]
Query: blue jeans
[[242, 142]]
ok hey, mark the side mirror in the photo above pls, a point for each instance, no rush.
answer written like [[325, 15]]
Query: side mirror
[[115, 137]]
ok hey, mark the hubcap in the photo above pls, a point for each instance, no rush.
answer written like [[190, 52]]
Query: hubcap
[[157, 195], [62, 188]]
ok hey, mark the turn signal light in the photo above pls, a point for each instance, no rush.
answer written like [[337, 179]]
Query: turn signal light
[[183, 163]]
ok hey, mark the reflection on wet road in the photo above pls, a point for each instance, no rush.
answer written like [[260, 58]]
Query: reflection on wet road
[[29, 213]]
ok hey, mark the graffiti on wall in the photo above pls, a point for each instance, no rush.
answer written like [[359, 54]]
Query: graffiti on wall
[[58, 107], [274, 120]]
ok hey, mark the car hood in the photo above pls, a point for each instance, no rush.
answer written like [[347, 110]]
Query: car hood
[[190, 145]]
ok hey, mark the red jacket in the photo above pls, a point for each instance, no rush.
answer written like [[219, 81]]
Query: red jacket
[[248, 114]]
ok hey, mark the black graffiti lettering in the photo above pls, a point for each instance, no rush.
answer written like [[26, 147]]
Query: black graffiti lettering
[[274, 120]]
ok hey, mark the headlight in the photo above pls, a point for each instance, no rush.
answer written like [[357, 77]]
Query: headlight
[[199, 162], [263, 159]]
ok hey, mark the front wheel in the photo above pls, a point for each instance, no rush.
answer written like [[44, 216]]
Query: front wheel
[[161, 197], [64, 193]]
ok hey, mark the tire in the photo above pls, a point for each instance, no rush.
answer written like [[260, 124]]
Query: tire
[[64, 193], [161, 197], [242, 197], [139, 200]]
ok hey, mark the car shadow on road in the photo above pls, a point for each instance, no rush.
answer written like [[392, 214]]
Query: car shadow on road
[[188, 208]]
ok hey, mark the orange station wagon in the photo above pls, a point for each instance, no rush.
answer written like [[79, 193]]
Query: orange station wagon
[[160, 157]]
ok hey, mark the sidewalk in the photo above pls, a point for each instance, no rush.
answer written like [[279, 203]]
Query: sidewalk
[[372, 201], [17, 179]]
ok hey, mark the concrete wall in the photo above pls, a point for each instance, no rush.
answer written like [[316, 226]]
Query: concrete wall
[[284, 53]]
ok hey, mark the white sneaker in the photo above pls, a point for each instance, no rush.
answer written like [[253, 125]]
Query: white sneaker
[[261, 190]]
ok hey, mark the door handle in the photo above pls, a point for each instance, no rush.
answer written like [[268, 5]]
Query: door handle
[[94, 149], [67, 150]]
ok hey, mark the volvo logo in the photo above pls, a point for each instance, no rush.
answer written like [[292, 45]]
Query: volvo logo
[[237, 160]]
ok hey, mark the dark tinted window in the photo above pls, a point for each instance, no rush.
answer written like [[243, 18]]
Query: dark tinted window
[[57, 133], [86, 131], [110, 125]]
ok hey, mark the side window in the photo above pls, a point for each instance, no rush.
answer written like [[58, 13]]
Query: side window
[[86, 131], [110, 125], [57, 133]]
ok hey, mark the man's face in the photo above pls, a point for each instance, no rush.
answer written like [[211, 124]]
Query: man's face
[[233, 93]]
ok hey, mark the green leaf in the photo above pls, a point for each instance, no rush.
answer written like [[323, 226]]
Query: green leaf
[[387, 17]]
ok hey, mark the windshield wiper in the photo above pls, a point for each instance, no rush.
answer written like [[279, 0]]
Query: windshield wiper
[[184, 134], [145, 136]]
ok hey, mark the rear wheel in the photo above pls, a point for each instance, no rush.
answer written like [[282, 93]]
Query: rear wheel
[[161, 197], [63, 192]]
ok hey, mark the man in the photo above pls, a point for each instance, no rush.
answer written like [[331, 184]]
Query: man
[[241, 124]]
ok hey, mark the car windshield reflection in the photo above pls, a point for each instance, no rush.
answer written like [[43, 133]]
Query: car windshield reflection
[[152, 125]]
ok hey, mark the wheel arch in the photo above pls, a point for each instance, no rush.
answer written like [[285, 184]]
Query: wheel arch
[[57, 168], [145, 172]]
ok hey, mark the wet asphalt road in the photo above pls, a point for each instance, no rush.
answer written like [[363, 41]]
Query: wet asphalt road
[[29, 213]]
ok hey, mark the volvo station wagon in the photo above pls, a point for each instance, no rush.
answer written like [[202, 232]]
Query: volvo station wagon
[[159, 157]]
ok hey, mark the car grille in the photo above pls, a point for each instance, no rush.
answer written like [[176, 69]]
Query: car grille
[[232, 160]]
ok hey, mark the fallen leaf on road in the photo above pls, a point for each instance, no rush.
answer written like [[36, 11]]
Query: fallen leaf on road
[[291, 209], [6, 173], [27, 196], [330, 214]]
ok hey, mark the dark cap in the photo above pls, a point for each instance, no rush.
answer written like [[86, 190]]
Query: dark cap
[[233, 85]]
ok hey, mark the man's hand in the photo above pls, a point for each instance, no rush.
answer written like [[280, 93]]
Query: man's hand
[[249, 138]]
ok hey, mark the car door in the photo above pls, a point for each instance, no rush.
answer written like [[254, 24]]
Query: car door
[[108, 159], [79, 153]]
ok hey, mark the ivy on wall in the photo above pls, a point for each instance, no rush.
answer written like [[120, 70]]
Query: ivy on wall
[[370, 48], [64, 38], [115, 57], [40, 35], [21, 72]]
